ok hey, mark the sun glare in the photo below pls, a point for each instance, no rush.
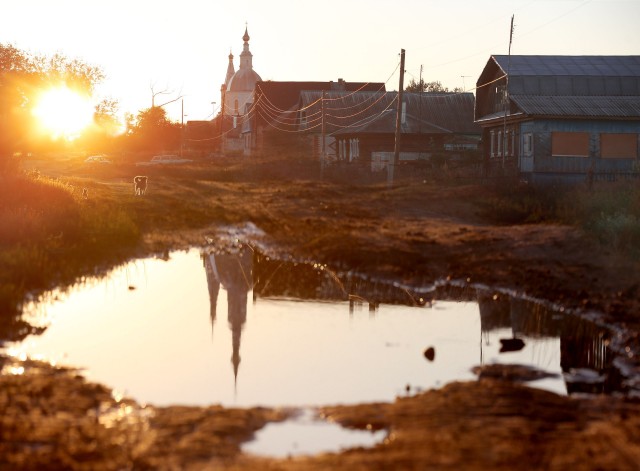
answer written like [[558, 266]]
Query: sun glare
[[63, 112]]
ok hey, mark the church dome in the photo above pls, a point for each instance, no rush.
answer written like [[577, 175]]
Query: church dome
[[244, 80]]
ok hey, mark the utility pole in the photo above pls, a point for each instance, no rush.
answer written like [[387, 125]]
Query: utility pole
[[396, 150], [506, 98], [182, 127], [420, 104]]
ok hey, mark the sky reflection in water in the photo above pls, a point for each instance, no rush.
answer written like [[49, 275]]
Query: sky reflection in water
[[158, 344]]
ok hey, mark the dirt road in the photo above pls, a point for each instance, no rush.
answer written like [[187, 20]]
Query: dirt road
[[415, 233]]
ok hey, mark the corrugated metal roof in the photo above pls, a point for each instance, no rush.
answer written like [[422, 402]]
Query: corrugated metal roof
[[284, 95], [385, 123], [375, 112], [594, 66], [563, 86], [583, 106]]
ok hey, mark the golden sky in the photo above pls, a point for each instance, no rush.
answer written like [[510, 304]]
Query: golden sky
[[182, 46]]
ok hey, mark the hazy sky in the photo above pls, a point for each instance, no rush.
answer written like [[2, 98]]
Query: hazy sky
[[183, 45]]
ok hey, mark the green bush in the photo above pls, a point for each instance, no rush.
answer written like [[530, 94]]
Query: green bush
[[621, 231], [610, 212], [107, 228], [49, 235]]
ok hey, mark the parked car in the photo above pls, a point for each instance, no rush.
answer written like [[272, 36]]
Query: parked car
[[97, 159], [165, 159]]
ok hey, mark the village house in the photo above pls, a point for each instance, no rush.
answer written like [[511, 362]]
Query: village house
[[352, 122], [356, 123], [434, 127], [282, 118], [560, 118]]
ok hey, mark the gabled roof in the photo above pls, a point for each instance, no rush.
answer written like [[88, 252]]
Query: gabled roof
[[285, 95], [562, 86], [367, 112], [385, 123], [566, 75], [592, 66]]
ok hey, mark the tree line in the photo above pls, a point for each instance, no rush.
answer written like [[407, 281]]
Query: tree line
[[430, 87], [23, 76]]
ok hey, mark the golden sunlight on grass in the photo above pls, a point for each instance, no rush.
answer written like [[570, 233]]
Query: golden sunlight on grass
[[63, 112]]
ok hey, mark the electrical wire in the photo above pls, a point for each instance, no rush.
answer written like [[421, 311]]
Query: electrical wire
[[368, 119], [361, 111], [297, 121], [280, 114], [265, 109], [364, 85], [289, 130], [262, 94]]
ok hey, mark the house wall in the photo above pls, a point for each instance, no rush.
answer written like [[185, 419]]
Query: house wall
[[410, 144], [494, 143], [542, 160], [380, 160], [233, 144]]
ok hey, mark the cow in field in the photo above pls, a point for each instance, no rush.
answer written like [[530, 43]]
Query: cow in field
[[140, 185]]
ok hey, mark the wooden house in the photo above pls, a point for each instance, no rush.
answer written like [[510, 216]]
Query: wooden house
[[560, 117], [433, 126]]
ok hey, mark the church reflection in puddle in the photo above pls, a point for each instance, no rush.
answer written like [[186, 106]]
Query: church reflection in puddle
[[300, 334], [234, 273], [548, 347]]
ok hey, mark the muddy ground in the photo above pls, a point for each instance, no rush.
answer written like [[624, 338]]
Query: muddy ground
[[415, 232]]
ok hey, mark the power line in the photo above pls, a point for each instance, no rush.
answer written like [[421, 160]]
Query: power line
[[361, 111]]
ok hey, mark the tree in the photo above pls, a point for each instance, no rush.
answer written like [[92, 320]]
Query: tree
[[153, 131], [101, 135], [430, 87], [22, 77], [156, 93]]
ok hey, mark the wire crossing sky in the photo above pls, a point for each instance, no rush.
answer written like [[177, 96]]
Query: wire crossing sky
[[182, 46]]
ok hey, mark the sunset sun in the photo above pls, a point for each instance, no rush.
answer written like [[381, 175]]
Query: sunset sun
[[63, 112]]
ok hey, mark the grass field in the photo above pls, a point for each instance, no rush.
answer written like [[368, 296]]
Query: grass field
[[51, 234]]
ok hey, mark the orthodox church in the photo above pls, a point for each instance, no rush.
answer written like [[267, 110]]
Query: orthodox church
[[237, 89]]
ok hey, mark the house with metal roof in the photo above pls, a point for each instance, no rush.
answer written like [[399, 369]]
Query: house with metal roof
[[433, 126], [277, 122], [356, 122], [560, 117]]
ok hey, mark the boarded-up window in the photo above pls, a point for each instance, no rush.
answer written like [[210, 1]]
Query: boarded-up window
[[574, 144], [619, 146]]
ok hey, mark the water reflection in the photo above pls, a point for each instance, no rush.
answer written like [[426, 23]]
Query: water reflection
[[301, 334], [307, 435], [585, 359], [234, 272]]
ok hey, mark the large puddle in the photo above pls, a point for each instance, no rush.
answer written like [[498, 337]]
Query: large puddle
[[241, 329]]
